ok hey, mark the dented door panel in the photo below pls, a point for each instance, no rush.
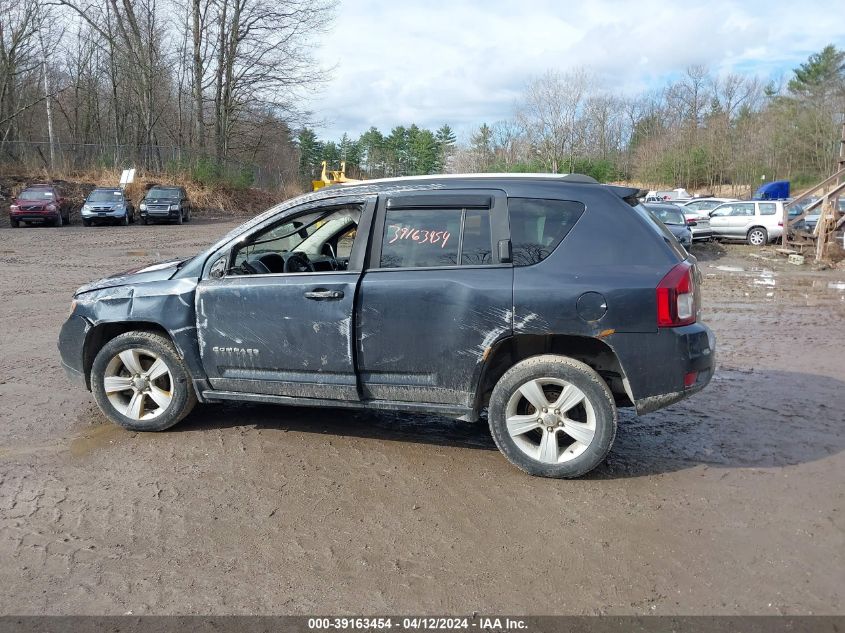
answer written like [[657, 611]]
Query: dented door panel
[[263, 334]]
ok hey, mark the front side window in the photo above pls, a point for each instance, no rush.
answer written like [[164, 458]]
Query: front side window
[[538, 226], [320, 241], [743, 210]]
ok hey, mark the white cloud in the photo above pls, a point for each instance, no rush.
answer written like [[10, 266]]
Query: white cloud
[[466, 61]]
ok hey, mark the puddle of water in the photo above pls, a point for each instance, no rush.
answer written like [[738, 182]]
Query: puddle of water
[[98, 437], [144, 254], [765, 278], [837, 285], [730, 269]]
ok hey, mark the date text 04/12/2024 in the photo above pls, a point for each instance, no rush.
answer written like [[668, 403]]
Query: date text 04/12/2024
[[418, 623]]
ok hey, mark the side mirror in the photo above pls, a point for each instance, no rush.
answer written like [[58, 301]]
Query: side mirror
[[692, 223], [218, 268]]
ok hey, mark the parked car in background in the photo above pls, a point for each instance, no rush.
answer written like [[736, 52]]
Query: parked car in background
[[166, 203], [545, 300], [673, 217], [39, 204], [672, 195], [702, 206], [107, 205], [756, 222]]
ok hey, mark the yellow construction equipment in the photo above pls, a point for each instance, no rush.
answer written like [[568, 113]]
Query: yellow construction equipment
[[331, 177]]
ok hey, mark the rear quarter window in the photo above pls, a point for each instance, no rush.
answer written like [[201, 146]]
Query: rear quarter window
[[538, 226]]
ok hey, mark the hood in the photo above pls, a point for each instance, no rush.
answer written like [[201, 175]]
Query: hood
[[155, 199], [110, 204], [146, 274]]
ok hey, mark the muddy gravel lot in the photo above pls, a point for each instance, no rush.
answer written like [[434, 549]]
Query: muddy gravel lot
[[730, 502]]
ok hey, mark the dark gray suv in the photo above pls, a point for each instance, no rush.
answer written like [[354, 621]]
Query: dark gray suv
[[545, 302]]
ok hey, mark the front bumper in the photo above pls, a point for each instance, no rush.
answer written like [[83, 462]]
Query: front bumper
[[104, 215], [34, 216], [72, 348], [170, 214]]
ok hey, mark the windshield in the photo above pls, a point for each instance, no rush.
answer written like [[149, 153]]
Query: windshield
[[668, 214], [313, 245], [36, 194], [105, 195], [163, 193]]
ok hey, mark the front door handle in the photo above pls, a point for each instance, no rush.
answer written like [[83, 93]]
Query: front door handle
[[324, 294]]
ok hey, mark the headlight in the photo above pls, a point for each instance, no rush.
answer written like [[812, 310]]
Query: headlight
[[86, 207], [72, 308], [51, 207], [143, 206], [174, 207]]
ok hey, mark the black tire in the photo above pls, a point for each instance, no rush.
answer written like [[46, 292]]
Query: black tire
[[179, 218], [757, 236], [58, 221], [183, 396], [597, 396], [15, 223], [145, 221], [125, 221], [86, 222]]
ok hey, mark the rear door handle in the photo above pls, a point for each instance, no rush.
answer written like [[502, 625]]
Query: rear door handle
[[324, 294]]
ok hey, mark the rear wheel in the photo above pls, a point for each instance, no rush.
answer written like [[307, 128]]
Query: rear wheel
[[140, 382], [757, 236], [552, 416]]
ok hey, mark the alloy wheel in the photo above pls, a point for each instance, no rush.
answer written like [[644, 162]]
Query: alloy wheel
[[550, 420], [138, 384]]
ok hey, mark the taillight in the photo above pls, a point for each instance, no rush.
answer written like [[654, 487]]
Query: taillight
[[691, 220], [676, 297]]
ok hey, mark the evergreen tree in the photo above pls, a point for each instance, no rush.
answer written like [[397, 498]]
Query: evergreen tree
[[310, 154], [446, 140], [821, 70]]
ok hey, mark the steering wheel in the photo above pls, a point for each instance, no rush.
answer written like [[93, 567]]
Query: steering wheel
[[298, 263], [254, 267]]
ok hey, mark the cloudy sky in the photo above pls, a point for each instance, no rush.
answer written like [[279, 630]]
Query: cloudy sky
[[465, 62]]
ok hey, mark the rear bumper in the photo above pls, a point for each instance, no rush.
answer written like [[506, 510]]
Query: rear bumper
[[701, 234], [656, 365]]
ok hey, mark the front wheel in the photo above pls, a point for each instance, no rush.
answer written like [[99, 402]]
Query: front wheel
[[15, 223], [86, 222], [758, 236], [553, 416], [179, 218], [140, 382], [58, 220]]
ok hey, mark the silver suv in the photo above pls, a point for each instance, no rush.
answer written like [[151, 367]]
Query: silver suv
[[757, 222]]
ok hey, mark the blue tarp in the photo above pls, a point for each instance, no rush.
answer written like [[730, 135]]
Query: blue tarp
[[776, 190]]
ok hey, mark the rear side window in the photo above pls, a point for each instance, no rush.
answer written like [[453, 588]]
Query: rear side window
[[538, 226], [768, 208]]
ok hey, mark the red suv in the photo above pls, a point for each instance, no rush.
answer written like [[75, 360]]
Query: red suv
[[41, 204]]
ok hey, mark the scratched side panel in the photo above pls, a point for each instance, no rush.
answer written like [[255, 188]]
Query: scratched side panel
[[422, 334], [260, 334]]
